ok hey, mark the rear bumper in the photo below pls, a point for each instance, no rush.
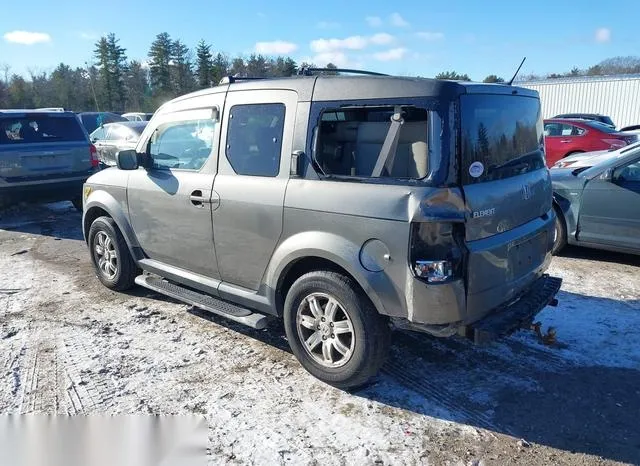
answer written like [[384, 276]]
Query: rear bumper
[[42, 191], [518, 314]]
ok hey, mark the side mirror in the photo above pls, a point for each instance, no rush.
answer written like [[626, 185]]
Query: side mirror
[[127, 160], [297, 163]]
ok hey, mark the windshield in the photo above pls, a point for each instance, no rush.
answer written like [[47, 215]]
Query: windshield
[[502, 136]]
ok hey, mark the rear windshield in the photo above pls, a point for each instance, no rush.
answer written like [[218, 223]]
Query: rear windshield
[[24, 129], [92, 120], [600, 127], [502, 136]]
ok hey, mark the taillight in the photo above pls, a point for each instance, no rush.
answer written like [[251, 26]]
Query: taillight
[[436, 253], [615, 143], [93, 155]]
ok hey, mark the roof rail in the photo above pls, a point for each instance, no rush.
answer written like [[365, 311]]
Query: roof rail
[[306, 71], [233, 79]]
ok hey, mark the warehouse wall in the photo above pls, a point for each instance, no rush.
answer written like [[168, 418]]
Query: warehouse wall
[[616, 96]]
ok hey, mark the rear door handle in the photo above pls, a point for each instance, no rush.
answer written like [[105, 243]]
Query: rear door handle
[[565, 141], [197, 199]]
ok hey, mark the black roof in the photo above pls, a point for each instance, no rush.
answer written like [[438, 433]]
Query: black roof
[[327, 88]]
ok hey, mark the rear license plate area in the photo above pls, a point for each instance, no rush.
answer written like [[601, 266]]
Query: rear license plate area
[[527, 255]]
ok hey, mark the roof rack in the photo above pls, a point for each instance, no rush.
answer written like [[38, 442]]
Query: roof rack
[[233, 79], [306, 71]]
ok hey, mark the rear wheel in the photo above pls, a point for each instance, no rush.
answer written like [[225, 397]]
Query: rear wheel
[[110, 255], [559, 233], [334, 330]]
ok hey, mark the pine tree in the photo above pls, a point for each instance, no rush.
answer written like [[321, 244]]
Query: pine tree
[[204, 66], [220, 68], [160, 56], [117, 70], [105, 90], [111, 62], [182, 72], [138, 91]]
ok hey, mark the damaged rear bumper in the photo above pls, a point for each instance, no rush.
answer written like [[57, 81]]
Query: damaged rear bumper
[[519, 314]]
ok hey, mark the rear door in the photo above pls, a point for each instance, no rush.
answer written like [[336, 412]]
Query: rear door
[[35, 146], [552, 146], [610, 210], [253, 172], [508, 195]]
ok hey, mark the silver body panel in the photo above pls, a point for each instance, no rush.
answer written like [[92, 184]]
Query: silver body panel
[[241, 245]]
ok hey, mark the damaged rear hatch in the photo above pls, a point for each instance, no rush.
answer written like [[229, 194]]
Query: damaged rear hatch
[[508, 195]]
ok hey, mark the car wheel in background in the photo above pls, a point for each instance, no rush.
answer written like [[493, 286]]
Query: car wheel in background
[[334, 330], [77, 203], [559, 233]]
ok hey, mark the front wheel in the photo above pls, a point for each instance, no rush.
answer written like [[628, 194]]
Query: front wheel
[[110, 255], [334, 330]]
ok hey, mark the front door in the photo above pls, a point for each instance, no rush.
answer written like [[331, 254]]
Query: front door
[[170, 203], [253, 172], [610, 210]]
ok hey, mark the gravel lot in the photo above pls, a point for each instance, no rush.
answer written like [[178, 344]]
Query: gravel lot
[[69, 345]]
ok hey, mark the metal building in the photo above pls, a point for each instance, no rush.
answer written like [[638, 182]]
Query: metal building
[[616, 96]]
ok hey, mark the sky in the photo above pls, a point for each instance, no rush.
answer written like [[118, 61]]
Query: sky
[[410, 37]]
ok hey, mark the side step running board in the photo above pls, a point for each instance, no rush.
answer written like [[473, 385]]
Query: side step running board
[[203, 301]]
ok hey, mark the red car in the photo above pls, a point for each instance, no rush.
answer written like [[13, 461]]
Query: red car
[[566, 136]]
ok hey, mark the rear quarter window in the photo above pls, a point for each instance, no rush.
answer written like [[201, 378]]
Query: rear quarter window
[[25, 129]]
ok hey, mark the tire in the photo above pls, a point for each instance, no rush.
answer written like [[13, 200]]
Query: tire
[[122, 271], [560, 232], [77, 203], [351, 322]]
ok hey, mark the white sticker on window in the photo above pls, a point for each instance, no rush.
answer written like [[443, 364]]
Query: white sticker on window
[[476, 169]]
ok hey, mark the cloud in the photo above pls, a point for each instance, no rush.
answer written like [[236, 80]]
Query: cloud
[[374, 21], [277, 47], [350, 43], [89, 35], [27, 37], [398, 21], [327, 25], [339, 59], [332, 45], [603, 35], [381, 39], [430, 36], [391, 54]]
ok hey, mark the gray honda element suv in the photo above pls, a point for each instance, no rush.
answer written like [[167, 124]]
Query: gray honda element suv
[[344, 205]]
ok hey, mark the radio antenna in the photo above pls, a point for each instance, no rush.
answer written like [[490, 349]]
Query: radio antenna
[[516, 73]]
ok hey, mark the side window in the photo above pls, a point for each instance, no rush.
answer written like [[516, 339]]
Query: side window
[[351, 142], [254, 139], [552, 129], [570, 130], [182, 145], [628, 173]]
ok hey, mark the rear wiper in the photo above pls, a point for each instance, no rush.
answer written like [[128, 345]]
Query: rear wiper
[[579, 170]]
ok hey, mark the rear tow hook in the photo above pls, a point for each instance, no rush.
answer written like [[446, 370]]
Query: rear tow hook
[[547, 339]]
